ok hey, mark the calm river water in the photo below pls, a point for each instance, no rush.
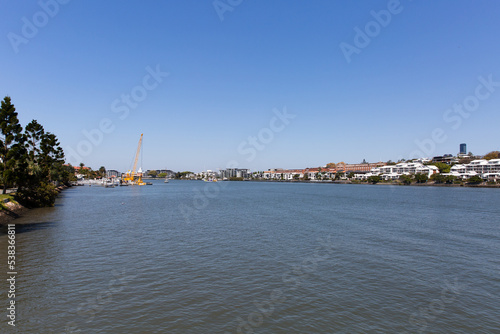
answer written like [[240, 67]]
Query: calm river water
[[250, 257]]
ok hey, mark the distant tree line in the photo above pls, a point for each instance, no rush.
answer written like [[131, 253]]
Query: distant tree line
[[89, 173], [31, 160], [182, 175]]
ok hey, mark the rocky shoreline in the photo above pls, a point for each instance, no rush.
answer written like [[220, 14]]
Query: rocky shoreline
[[12, 211]]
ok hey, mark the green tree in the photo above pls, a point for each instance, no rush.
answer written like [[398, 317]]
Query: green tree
[[374, 179], [153, 173], [68, 174], [405, 179], [351, 175], [45, 160], [32, 161], [102, 171], [443, 168], [44, 194], [11, 145], [438, 178], [162, 175], [449, 179], [51, 156], [476, 179], [492, 155], [421, 178], [33, 135], [182, 175]]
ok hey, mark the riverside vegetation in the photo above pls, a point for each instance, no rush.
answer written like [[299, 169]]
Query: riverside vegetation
[[31, 161]]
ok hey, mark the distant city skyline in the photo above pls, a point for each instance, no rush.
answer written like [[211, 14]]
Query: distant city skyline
[[462, 148], [281, 84]]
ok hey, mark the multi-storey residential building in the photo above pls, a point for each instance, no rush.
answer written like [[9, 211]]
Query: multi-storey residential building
[[208, 174], [483, 168], [447, 159], [235, 172], [291, 174], [319, 173], [394, 172], [487, 169], [112, 173]]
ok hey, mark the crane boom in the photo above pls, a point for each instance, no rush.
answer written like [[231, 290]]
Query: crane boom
[[132, 177], [137, 155]]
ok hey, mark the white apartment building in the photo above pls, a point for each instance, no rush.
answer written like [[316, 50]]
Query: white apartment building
[[487, 169], [393, 172]]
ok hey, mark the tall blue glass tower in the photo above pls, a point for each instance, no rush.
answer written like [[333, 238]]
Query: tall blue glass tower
[[463, 148]]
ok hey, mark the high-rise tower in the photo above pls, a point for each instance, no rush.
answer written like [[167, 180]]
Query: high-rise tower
[[463, 148]]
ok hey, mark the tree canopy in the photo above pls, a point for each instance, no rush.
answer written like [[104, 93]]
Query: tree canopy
[[443, 168], [492, 155], [102, 171], [476, 179], [374, 179], [11, 144], [421, 178], [405, 179], [31, 161]]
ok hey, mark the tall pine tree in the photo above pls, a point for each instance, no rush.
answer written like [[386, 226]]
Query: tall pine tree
[[33, 135], [11, 144], [33, 161], [45, 159]]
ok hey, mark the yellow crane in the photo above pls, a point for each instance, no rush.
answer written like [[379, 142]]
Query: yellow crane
[[132, 176]]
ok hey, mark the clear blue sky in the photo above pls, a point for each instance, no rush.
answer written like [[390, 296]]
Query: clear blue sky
[[227, 76]]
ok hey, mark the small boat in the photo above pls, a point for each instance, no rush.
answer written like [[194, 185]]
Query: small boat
[[209, 180]]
